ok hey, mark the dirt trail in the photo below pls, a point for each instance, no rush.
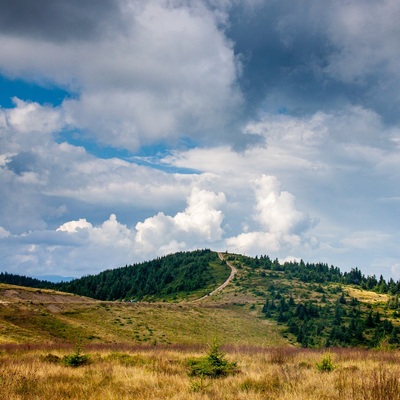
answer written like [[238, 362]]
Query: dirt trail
[[226, 283]]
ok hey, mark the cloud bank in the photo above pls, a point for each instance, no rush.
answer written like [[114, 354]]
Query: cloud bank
[[260, 127], [153, 71]]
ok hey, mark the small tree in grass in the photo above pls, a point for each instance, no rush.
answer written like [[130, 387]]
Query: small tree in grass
[[213, 365], [76, 359], [326, 363]]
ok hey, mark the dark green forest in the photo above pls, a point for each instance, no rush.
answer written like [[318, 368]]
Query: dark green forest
[[327, 316], [164, 277], [182, 272], [343, 322]]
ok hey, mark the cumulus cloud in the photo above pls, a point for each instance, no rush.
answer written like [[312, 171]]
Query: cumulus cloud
[[328, 162], [317, 83], [73, 226], [163, 59], [78, 246], [28, 125], [44, 181], [198, 225], [281, 224], [275, 208]]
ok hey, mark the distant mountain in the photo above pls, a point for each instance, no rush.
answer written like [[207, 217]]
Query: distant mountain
[[54, 278], [22, 280]]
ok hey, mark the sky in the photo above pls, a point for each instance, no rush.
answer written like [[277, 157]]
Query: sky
[[132, 129]]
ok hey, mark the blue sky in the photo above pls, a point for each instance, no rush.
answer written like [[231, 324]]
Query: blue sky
[[131, 129]]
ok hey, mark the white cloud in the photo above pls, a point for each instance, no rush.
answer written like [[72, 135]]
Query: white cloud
[[281, 224], [28, 125], [59, 178], [73, 226], [276, 211], [198, 225], [80, 247], [29, 117], [166, 71], [321, 145]]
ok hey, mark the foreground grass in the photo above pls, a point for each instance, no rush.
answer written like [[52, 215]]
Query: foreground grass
[[157, 372]]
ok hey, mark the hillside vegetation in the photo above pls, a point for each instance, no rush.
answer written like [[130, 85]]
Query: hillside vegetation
[[177, 276], [267, 303], [319, 306]]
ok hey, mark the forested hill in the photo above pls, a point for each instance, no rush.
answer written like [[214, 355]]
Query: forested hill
[[172, 276], [175, 276], [323, 273], [179, 274], [313, 304]]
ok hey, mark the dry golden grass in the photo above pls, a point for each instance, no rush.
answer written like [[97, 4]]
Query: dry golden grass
[[157, 372], [367, 296], [32, 316]]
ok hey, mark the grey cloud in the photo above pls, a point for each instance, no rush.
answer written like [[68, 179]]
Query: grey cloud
[[168, 72], [22, 162], [300, 57], [58, 20]]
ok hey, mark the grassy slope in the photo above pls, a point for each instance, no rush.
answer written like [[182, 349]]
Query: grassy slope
[[233, 315], [32, 315]]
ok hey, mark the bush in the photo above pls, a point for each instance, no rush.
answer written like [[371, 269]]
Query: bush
[[326, 363], [76, 359], [213, 365]]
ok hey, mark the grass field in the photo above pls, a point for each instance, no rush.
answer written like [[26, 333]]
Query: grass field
[[39, 316], [159, 372], [141, 350]]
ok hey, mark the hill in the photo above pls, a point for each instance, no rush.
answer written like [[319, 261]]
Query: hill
[[183, 275], [267, 303], [319, 306]]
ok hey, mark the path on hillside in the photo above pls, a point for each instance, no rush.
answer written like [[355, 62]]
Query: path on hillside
[[226, 283]]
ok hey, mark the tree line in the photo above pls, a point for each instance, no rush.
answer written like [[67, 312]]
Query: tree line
[[323, 273]]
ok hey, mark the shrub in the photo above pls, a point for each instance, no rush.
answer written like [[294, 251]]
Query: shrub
[[213, 365], [326, 363], [76, 359]]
